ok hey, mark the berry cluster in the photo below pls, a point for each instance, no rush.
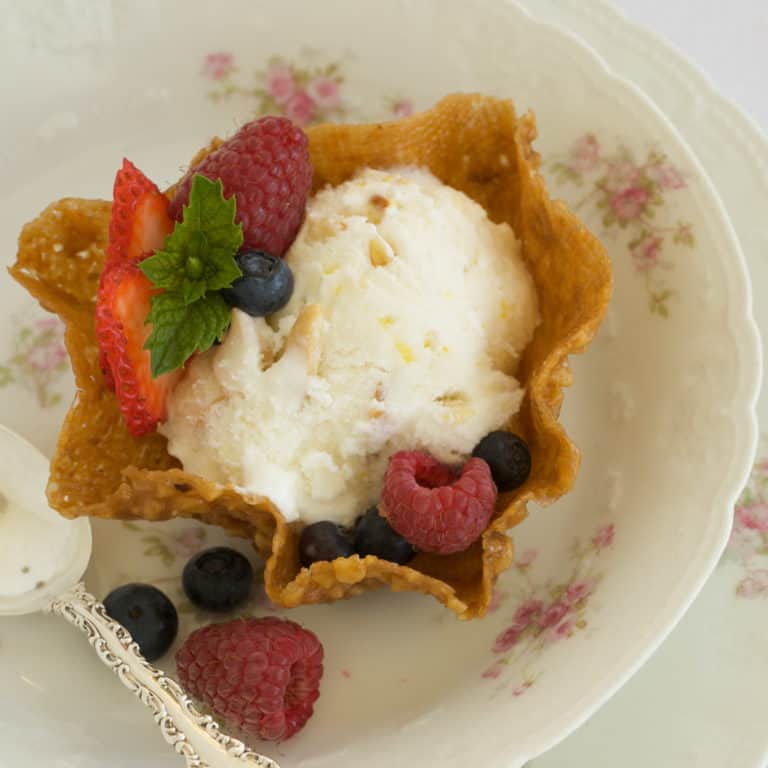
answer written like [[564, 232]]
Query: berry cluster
[[426, 505], [186, 260], [218, 244], [261, 675]]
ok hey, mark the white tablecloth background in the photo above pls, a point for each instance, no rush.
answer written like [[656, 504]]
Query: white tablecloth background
[[727, 39]]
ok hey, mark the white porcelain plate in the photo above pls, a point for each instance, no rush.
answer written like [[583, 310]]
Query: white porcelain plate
[[704, 695], [662, 407]]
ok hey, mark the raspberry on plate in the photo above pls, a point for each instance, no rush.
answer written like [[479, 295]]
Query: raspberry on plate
[[260, 675], [266, 166], [431, 507]]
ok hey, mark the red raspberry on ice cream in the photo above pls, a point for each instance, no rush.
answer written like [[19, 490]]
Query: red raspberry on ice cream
[[434, 509], [266, 166]]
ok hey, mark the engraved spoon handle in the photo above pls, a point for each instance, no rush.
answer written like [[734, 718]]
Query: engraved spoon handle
[[197, 737]]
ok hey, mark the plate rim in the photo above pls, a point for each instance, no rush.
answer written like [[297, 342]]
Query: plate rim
[[749, 386], [675, 64]]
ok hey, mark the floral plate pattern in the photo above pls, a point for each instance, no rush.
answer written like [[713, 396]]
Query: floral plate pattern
[[710, 671], [748, 545], [304, 94], [38, 359], [631, 194]]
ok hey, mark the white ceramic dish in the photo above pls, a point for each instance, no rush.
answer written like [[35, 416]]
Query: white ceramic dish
[[614, 564], [704, 694]]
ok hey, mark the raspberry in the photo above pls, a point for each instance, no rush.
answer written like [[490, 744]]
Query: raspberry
[[260, 675], [266, 166], [437, 512]]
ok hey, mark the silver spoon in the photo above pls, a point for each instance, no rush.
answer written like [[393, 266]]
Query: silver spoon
[[42, 558]]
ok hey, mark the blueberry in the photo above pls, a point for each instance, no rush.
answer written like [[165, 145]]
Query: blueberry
[[374, 536], [507, 456], [147, 614], [265, 287], [218, 579], [324, 541]]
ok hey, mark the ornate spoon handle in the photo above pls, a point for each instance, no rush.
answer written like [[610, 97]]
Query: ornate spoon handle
[[197, 737]]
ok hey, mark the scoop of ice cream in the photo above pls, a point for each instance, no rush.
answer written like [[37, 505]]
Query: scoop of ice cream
[[410, 311]]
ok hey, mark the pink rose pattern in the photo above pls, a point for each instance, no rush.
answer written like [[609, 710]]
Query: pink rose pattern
[[579, 590], [324, 91], [604, 537], [280, 83], [302, 94], [495, 603], [527, 612], [402, 108], [300, 108], [305, 95], [628, 195], [519, 690], [38, 359], [646, 254], [753, 516], [748, 544], [585, 153], [629, 203], [217, 66], [167, 546], [494, 671], [526, 558], [546, 614]]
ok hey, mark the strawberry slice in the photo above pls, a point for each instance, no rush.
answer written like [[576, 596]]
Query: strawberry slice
[[122, 308], [140, 220], [138, 227]]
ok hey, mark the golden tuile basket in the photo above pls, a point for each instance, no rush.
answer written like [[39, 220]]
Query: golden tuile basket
[[473, 143]]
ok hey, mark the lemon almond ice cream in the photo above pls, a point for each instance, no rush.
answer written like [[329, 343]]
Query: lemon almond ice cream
[[409, 313]]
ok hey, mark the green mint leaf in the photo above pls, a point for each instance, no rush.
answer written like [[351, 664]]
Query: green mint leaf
[[199, 255], [180, 329], [165, 269]]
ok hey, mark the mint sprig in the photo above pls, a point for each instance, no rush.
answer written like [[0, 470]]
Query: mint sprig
[[196, 261], [179, 330]]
